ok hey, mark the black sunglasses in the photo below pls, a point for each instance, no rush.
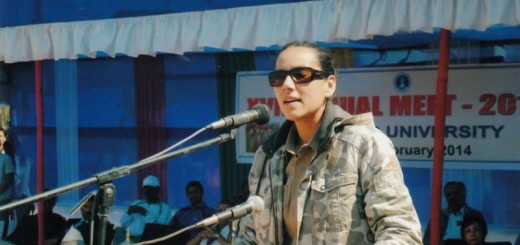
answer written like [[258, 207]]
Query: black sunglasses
[[298, 75]]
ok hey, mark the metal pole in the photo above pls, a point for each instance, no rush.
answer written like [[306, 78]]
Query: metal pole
[[38, 93], [106, 194], [118, 172], [438, 148]]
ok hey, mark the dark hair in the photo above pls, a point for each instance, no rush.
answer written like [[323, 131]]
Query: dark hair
[[457, 183], [9, 149], [324, 55], [196, 184], [474, 217]]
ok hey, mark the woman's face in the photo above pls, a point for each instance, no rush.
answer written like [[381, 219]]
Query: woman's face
[[302, 101], [473, 234]]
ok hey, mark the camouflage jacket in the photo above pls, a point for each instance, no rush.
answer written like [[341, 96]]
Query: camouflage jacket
[[354, 191]]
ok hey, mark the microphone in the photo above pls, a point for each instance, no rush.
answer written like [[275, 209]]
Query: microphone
[[260, 114], [253, 204]]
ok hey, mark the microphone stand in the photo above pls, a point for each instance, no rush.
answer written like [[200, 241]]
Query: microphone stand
[[233, 229], [105, 195], [160, 239], [231, 217]]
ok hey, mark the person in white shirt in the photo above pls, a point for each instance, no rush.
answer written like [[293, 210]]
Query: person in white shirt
[[451, 216], [149, 210]]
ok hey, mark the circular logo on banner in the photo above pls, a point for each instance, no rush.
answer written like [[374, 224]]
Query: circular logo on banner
[[402, 82]]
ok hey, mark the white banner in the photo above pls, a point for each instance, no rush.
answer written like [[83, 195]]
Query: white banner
[[482, 108]]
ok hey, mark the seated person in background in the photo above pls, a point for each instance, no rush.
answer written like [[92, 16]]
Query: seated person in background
[[149, 210], [451, 217], [197, 211], [217, 234], [473, 231], [6, 182], [474, 228], [79, 231], [26, 231]]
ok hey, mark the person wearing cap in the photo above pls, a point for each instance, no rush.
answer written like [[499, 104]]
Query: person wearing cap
[[149, 210]]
